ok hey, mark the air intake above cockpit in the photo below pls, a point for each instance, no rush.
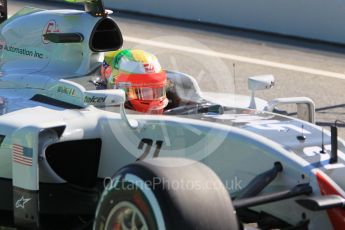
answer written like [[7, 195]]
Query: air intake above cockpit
[[106, 36]]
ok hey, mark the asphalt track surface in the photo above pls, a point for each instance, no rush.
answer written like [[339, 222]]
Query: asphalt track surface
[[222, 59]]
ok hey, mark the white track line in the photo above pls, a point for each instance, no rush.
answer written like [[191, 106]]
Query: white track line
[[236, 58]]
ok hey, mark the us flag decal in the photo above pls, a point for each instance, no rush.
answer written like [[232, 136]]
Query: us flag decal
[[22, 155]]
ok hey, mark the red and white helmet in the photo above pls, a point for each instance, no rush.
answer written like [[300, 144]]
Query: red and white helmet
[[141, 76]]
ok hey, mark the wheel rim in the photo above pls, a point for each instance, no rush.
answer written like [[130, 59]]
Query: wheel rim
[[125, 216]]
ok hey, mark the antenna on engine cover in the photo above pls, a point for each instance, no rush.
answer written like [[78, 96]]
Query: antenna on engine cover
[[302, 137], [334, 142], [323, 142]]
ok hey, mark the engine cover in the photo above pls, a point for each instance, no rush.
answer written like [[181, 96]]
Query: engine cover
[[25, 46]]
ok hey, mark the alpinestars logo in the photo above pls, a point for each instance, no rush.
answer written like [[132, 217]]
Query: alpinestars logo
[[21, 202]]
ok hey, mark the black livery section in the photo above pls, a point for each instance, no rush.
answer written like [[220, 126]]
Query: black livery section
[[64, 37], [54, 102]]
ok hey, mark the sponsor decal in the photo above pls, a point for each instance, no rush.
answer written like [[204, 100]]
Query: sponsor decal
[[22, 155], [21, 202], [149, 68], [50, 27], [94, 100], [20, 51], [66, 90]]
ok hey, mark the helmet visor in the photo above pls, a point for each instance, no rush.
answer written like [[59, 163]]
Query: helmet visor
[[146, 93]]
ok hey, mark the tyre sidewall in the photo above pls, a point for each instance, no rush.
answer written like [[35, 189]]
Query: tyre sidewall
[[123, 191]]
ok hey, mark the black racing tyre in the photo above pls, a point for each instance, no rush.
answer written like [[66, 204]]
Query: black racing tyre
[[165, 193]]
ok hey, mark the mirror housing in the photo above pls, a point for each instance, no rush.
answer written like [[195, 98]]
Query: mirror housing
[[261, 82]]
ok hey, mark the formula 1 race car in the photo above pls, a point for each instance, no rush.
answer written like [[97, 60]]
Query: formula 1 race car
[[76, 156]]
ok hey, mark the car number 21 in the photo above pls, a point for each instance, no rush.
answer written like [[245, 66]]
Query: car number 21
[[149, 143]]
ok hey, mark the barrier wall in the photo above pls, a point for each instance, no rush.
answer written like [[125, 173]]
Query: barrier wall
[[313, 19]]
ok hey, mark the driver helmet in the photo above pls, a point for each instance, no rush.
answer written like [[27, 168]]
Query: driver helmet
[[141, 76], [108, 71]]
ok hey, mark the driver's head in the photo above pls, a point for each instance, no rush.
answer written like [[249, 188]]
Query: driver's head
[[141, 76]]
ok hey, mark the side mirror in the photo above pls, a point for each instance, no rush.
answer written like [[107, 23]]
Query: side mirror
[[261, 82], [104, 98]]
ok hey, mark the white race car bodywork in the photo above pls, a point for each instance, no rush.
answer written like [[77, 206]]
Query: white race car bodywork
[[50, 116], [254, 141]]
